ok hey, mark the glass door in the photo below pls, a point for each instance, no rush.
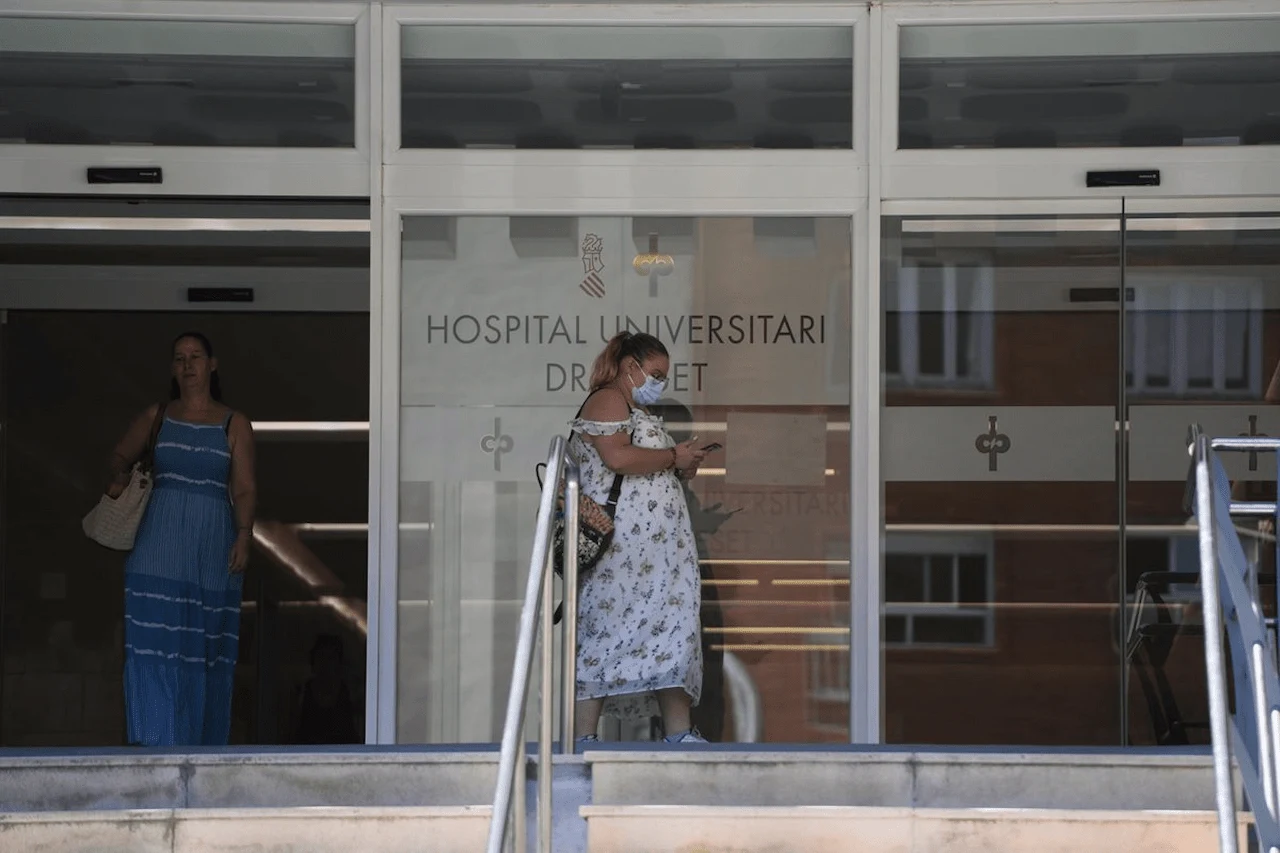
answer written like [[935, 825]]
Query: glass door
[[95, 292], [1003, 526], [1202, 345], [1040, 372]]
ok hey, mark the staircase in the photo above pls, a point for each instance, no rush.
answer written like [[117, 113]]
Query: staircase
[[891, 801], [616, 800], [332, 802]]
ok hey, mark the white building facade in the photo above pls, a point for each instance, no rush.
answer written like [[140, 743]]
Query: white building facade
[[949, 280]]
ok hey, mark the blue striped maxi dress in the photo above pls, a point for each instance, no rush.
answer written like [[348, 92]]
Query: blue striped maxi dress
[[182, 604]]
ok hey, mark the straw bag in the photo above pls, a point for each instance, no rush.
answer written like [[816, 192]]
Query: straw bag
[[595, 527], [595, 532], [114, 521]]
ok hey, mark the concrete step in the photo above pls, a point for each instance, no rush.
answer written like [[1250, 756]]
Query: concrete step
[[1113, 780], [852, 829], [618, 799], [438, 829], [155, 780]]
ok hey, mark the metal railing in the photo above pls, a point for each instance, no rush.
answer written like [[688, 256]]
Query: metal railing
[[1234, 612], [509, 794]]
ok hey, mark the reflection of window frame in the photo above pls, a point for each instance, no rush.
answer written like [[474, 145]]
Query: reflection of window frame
[[1179, 308], [982, 317], [942, 546], [827, 685]]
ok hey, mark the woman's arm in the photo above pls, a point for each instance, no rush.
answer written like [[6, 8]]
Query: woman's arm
[[617, 451], [244, 489], [129, 450]]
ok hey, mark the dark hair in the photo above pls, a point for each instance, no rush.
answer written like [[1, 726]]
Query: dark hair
[[624, 345], [215, 381]]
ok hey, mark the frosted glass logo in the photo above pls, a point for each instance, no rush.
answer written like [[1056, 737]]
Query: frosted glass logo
[[992, 443], [498, 443], [592, 266]]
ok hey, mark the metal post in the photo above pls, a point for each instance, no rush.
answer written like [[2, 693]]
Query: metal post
[[546, 697], [569, 668], [1214, 661]]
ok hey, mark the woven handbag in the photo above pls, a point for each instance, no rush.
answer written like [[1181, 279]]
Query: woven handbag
[[595, 527], [114, 522]]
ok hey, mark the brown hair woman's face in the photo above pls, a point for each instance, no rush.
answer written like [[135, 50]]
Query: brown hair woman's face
[[192, 366], [655, 366]]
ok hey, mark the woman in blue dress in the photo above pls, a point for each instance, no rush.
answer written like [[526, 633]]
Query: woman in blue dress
[[184, 576]]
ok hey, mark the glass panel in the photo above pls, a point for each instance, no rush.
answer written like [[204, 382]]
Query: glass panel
[[77, 378], [1000, 492], [66, 81], [756, 318], [627, 87], [1205, 319], [1068, 85], [307, 578]]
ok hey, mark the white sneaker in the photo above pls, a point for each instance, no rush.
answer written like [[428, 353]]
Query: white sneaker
[[691, 736]]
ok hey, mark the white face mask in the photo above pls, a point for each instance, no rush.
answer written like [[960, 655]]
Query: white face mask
[[648, 393]]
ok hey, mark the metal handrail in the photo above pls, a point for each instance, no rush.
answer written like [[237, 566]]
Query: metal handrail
[[509, 793], [1237, 615]]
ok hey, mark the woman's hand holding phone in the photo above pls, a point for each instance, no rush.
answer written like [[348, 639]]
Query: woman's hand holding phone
[[688, 454]]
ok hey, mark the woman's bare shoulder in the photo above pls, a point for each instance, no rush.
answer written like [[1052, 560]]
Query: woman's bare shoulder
[[606, 405], [238, 421]]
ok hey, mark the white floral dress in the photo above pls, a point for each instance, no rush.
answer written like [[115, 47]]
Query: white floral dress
[[639, 608]]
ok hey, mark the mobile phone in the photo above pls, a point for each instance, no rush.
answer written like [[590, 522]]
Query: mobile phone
[[713, 446]]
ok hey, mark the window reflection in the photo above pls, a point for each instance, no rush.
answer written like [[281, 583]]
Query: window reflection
[[939, 592], [1195, 339], [627, 87], [938, 331], [1063, 85], [70, 81]]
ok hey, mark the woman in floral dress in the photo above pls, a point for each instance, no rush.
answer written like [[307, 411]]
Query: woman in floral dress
[[639, 643]]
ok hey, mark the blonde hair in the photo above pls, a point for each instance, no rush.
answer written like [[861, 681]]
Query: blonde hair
[[624, 345]]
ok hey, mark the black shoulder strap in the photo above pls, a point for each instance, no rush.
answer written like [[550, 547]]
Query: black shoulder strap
[[226, 425], [149, 452], [611, 506]]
